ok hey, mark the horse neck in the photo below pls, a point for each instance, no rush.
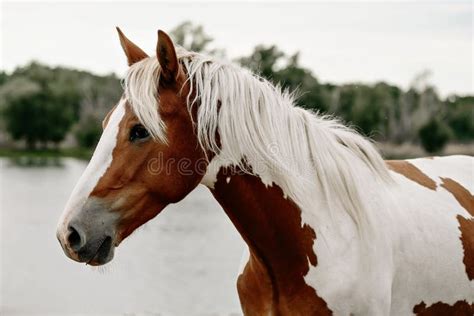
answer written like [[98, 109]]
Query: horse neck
[[281, 249]]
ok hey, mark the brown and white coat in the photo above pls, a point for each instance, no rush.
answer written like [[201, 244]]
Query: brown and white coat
[[331, 228]]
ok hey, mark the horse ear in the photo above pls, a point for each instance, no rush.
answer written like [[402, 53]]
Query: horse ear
[[133, 52], [166, 54]]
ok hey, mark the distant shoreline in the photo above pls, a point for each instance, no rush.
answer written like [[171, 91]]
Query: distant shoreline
[[79, 153]]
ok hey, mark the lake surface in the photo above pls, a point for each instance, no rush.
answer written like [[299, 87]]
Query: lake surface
[[183, 262]]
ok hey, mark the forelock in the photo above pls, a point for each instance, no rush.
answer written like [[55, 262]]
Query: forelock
[[141, 91]]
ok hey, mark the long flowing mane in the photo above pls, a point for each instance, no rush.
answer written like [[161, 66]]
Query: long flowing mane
[[264, 133]]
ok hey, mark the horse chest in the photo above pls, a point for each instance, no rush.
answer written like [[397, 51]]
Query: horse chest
[[263, 291], [255, 290]]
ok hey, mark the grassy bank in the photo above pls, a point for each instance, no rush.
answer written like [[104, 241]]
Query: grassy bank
[[79, 153]]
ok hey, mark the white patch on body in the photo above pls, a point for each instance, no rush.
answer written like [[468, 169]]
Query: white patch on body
[[215, 165], [98, 165], [417, 255], [227, 180], [431, 267]]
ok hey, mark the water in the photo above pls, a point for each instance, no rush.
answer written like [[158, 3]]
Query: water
[[183, 262]]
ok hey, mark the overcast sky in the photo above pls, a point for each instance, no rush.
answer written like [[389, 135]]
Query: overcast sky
[[339, 41]]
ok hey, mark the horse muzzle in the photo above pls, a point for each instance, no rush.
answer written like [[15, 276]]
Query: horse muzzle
[[88, 235]]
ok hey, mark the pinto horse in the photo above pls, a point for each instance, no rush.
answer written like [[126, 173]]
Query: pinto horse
[[330, 226]]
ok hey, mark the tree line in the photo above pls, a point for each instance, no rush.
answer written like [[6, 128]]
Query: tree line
[[42, 105]]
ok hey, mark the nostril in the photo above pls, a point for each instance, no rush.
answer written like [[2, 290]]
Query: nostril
[[74, 239]]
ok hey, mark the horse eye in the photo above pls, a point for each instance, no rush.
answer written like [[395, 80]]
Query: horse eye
[[138, 132]]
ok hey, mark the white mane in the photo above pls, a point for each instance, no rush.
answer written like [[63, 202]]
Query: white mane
[[262, 132]]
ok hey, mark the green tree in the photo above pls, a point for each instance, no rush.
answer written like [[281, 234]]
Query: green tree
[[3, 77], [33, 110], [434, 135], [460, 117], [88, 132], [274, 65], [193, 38], [263, 61], [98, 95], [20, 98]]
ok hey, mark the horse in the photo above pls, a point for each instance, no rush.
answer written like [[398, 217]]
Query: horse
[[331, 228]]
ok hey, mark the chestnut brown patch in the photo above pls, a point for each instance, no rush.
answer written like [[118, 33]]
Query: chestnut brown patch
[[411, 172], [467, 238], [460, 308], [273, 279], [466, 225], [462, 195]]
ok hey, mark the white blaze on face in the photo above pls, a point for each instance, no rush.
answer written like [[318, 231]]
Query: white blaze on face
[[98, 165]]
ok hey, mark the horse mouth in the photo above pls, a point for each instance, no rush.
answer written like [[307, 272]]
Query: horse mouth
[[104, 253]]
